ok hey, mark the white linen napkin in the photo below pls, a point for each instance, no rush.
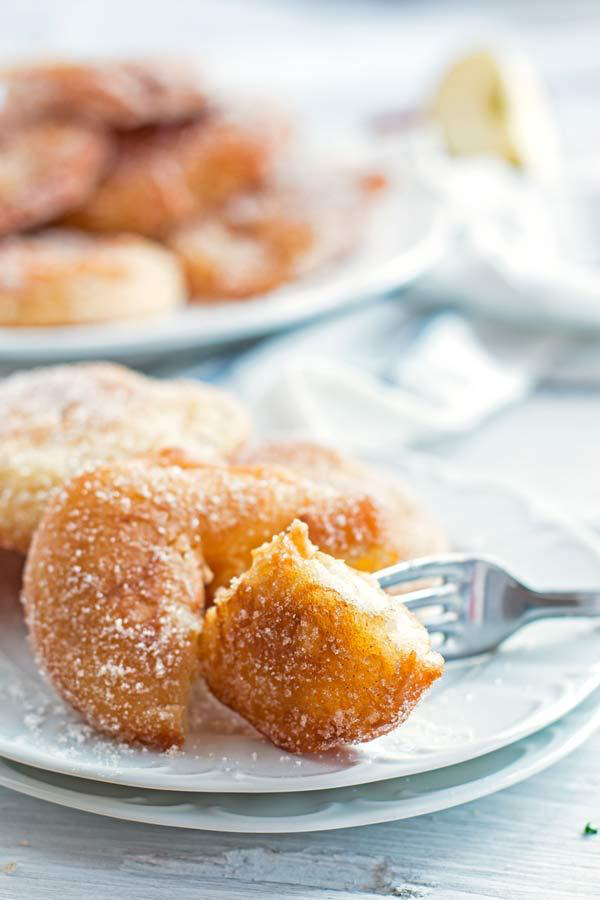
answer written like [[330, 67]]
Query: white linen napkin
[[382, 376], [525, 249]]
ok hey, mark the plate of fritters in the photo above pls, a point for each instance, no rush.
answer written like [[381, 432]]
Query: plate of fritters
[[197, 611], [139, 215]]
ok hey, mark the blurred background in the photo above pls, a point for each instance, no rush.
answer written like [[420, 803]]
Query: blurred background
[[338, 58], [523, 388]]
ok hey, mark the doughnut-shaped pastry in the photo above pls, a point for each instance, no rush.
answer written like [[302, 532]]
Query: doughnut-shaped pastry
[[259, 240], [47, 169], [116, 94], [221, 263], [58, 277], [162, 176], [254, 244], [113, 580], [313, 653], [415, 531], [54, 421], [304, 224]]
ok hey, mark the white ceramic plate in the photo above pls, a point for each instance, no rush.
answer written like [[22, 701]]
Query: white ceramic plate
[[387, 801], [479, 706], [404, 237]]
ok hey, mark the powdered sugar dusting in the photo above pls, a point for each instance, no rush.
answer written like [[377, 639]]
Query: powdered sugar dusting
[[56, 421]]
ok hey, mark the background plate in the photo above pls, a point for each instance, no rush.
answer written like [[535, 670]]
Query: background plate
[[405, 237], [537, 676]]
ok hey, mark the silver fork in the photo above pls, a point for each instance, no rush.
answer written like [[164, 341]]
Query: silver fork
[[475, 604]]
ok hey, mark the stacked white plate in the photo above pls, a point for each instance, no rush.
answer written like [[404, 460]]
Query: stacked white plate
[[487, 724]]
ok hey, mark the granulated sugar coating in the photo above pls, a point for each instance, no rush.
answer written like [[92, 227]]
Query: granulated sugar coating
[[114, 582], [54, 421], [313, 653], [415, 531], [113, 594]]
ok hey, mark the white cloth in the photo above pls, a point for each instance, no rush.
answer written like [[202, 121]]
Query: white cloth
[[384, 377], [522, 249]]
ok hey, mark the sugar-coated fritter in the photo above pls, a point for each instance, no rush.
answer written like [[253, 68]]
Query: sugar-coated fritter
[[164, 175], [313, 653], [115, 575], [415, 531], [59, 277], [54, 421], [115, 94], [46, 170], [264, 238], [113, 593], [254, 244]]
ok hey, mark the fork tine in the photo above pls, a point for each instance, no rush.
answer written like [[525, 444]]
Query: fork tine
[[445, 623], [444, 567], [442, 623], [434, 596]]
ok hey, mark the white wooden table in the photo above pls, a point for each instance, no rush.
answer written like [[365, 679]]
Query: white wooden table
[[525, 842]]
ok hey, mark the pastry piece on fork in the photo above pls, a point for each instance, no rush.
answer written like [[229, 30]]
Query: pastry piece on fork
[[313, 653]]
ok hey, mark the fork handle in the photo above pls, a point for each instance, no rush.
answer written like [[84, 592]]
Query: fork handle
[[566, 603]]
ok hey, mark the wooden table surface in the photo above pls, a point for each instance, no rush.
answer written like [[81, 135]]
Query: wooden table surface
[[524, 843]]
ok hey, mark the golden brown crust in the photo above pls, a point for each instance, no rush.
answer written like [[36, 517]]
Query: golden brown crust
[[222, 264], [47, 169], [254, 244], [113, 593], [415, 532], [59, 277], [253, 503], [163, 176], [117, 94], [286, 219], [56, 420], [261, 239], [312, 653], [122, 540]]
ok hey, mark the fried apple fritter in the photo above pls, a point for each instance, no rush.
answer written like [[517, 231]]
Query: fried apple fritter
[[253, 245], [261, 239], [115, 94], [60, 277], [114, 576], [415, 531], [313, 653], [113, 594], [163, 176], [57, 420], [47, 169]]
